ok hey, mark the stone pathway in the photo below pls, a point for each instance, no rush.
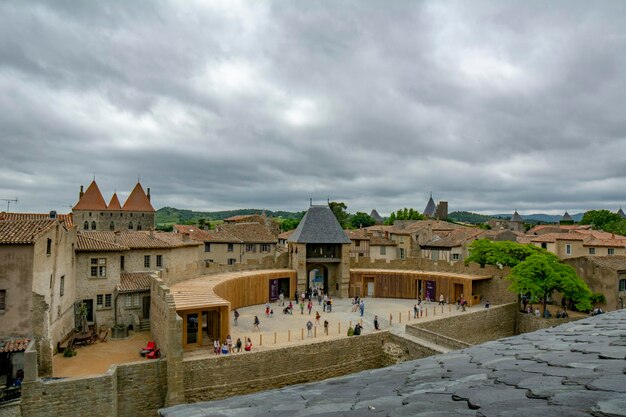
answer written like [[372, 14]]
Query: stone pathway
[[577, 369]]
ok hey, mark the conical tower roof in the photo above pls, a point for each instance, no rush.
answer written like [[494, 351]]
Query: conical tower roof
[[137, 200], [114, 204], [374, 215], [566, 217], [319, 225], [92, 199], [431, 207], [516, 217], [620, 213]]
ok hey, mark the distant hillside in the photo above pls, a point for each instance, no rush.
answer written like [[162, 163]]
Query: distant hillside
[[468, 217], [171, 215], [543, 218]]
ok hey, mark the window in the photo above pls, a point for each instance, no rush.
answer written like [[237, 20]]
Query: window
[[159, 260], [122, 262], [86, 225], [231, 247], [130, 226], [93, 225], [3, 300], [401, 253], [592, 251], [232, 261], [138, 226], [265, 247], [568, 249], [107, 301], [62, 286], [544, 245], [132, 301], [383, 250], [98, 267], [111, 226], [207, 247], [622, 288], [49, 247], [357, 243], [456, 256], [250, 247], [146, 261], [99, 300], [611, 251]]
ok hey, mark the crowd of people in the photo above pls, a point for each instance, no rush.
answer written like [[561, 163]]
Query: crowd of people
[[228, 347]]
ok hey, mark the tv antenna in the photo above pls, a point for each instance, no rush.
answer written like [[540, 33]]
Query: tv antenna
[[9, 201]]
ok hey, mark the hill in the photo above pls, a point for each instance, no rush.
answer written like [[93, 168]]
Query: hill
[[171, 215], [468, 217], [540, 217]]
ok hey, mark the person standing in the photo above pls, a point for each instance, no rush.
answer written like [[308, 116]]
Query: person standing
[[309, 328], [317, 317], [326, 327], [376, 325], [236, 314], [415, 311], [441, 299], [329, 304], [229, 343], [281, 298], [216, 346], [325, 302], [302, 306], [362, 307], [310, 306], [256, 324]]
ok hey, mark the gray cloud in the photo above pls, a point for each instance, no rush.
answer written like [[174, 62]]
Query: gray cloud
[[219, 105]]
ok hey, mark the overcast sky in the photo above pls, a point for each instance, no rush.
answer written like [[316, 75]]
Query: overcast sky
[[218, 105]]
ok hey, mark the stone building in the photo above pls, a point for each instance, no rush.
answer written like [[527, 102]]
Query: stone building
[[320, 247], [113, 271], [515, 224], [580, 243], [452, 246], [92, 213], [37, 284], [270, 224], [605, 275]]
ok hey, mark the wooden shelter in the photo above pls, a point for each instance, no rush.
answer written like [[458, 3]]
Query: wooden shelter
[[205, 303], [390, 283]]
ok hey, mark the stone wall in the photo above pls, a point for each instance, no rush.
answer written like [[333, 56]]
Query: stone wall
[[474, 327], [141, 388], [398, 349], [527, 323], [225, 376]]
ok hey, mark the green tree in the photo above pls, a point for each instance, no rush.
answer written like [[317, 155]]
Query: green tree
[[391, 219], [599, 218], [541, 274], [404, 214], [361, 219], [505, 253], [289, 224], [339, 210]]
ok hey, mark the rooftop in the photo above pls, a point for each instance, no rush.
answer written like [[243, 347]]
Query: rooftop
[[23, 232], [319, 225], [93, 241]]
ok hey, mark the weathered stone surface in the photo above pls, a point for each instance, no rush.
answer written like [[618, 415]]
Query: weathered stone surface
[[572, 370]]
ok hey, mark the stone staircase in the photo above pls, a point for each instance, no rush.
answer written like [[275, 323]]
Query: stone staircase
[[144, 325]]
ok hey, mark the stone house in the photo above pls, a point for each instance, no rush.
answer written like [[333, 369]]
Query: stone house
[[605, 275], [233, 243], [37, 283], [452, 246], [581, 243], [272, 225], [515, 224], [113, 272], [382, 248], [92, 213]]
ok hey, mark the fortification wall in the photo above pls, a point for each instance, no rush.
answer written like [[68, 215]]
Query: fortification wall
[[527, 323]]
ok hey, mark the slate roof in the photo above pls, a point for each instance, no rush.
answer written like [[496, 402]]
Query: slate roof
[[431, 207], [13, 344], [23, 232], [566, 217], [63, 218], [377, 217], [92, 199], [319, 225], [620, 213], [573, 370], [516, 217], [137, 200], [134, 282]]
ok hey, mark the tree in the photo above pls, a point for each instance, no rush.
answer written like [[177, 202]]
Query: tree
[[505, 253], [361, 219], [404, 214], [289, 224], [391, 219], [339, 210], [541, 274], [599, 218]]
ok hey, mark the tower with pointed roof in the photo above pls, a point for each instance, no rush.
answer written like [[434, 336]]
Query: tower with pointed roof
[[92, 213], [431, 207], [620, 213], [319, 243], [566, 219]]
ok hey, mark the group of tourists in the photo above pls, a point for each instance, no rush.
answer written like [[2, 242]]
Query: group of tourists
[[228, 346]]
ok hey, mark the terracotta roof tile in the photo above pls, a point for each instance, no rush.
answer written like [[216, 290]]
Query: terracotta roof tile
[[134, 282], [617, 263], [249, 232], [12, 344], [455, 238], [285, 235], [137, 200], [140, 239], [92, 244], [92, 199], [553, 237], [114, 204], [23, 231], [357, 234], [63, 218], [241, 217], [381, 241]]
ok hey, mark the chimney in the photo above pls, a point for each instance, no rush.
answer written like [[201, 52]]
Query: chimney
[[148, 194], [429, 232], [151, 233], [80, 194], [116, 236], [186, 237]]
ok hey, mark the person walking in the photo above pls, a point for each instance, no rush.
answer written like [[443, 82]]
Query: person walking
[[325, 301], [281, 298], [415, 311], [362, 307], [310, 306], [309, 328], [376, 325], [302, 306], [236, 314], [317, 317], [329, 304], [441, 299], [326, 327], [256, 324]]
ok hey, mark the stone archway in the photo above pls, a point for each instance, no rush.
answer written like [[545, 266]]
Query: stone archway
[[317, 270]]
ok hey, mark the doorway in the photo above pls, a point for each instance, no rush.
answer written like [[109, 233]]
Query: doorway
[[458, 291], [146, 307], [370, 286], [318, 278]]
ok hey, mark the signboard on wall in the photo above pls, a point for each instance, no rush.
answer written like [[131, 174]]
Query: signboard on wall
[[430, 290]]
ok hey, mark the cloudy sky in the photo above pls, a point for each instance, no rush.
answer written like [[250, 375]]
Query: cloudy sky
[[257, 104]]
